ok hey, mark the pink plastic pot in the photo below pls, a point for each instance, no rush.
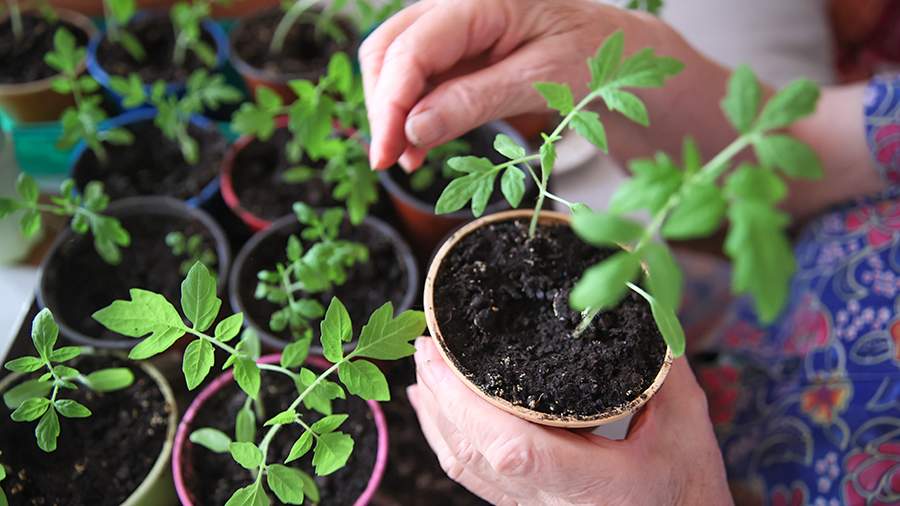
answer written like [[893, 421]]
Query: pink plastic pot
[[186, 426]]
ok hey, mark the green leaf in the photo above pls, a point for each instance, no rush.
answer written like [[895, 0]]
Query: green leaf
[[248, 455], [229, 328], [285, 417], [31, 409], [15, 396], [340, 72], [300, 447], [213, 440], [548, 159], [751, 183], [628, 104], [588, 125], [512, 184], [795, 101], [295, 353], [699, 214], [388, 338], [664, 277], [475, 186], [331, 452], [644, 69], [109, 380], [44, 333], [25, 364], [470, 164], [310, 488], [507, 147], [245, 425], [71, 409], [328, 424], [604, 229], [793, 157], [65, 353], [319, 397], [606, 61], [251, 495], [27, 188], [363, 378], [246, 373], [603, 285], [336, 329], [199, 357], [691, 158], [30, 223], [666, 321], [146, 313], [286, 482], [47, 431], [198, 297], [741, 103], [558, 96]]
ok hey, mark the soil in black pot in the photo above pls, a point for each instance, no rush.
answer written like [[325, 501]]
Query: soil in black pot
[[369, 285], [22, 61], [153, 164], [305, 53], [258, 179], [213, 477], [99, 460], [502, 304], [80, 282], [157, 37]]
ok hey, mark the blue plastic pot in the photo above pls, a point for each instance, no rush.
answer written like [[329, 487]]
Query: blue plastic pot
[[101, 76], [136, 116]]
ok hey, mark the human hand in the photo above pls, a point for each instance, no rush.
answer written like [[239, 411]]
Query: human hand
[[669, 457]]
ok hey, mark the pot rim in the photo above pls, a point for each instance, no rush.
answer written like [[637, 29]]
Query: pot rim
[[570, 422], [396, 191], [182, 435], [161, 464], [404, 256], [82, 22], [133, 206]]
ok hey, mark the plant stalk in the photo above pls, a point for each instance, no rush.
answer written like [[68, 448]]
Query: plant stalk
[[287, 21], [15, 19]]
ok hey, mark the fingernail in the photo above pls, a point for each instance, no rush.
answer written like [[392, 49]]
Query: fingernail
[[412, 394], [425, 128], [405, 163]]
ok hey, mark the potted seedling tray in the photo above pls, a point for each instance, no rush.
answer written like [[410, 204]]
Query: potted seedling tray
[[75, 282], [26, 93]]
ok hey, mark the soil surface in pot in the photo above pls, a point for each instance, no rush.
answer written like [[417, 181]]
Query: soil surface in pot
[[22, 61], [369, 285], [213, 477], [502, 304], [157, 37], [79, 282], [305, 53], [153, 164], [99, 460], [258, 179]]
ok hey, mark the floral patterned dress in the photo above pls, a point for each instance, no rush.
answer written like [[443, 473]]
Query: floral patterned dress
[[807, 410]]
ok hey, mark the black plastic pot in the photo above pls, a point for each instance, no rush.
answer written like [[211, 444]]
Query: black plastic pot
[[270, 244], [62, 281]]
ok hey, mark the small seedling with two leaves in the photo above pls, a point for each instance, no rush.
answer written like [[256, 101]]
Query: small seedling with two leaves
[[193, 249], [436, 160], [41, 398], [384, 337], [85, 210], [173, 115], [323, 265], [684, 203], [337, 98]]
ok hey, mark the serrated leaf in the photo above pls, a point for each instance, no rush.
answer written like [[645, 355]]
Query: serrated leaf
[[628, 104], [109, 380], [15, 396], [666, 321], [248, 455], [336, 329], [507, 147], [286, 482], [603, 285], [199, 357], [387, 338], [31, 409], [699, 213], [213, 440], [71, 409], [664, 277], [198, 297], [229, 328], [588, 125], [795, 101], [47, 431], [300, 447], [295, 353], [251, 495], [24, 364], [793, 157], [331, 452], [246, 373], [328, 424], [752, 183], [604, 229], [606, 61], [44, 333], [364, 379], [146, 313], [512, 185], [652, 184], [558, 96], [741, 103], [475, 186], [287, 416]]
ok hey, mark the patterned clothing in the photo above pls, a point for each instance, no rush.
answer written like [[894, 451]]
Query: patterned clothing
[[807, 410]]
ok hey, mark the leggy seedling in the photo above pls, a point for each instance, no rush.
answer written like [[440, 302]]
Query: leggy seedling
[[186, 21], [384, 337], [85, 210], [323, 265], [117, 14], [41, 398]]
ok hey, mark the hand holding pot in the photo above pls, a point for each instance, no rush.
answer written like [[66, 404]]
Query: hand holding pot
[[669, 457]]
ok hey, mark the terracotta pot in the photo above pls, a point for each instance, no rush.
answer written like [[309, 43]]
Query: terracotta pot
[[242, 283], [418, 216], [36, 101], [255, 77], [182, 473], [157, 488], [615, 421], [229, 195], [165, 208]]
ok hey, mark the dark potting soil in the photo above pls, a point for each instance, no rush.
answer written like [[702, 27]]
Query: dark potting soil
[[153, 164], [213, 477], [22, 61], [99, 460], [257, 177], [305, 54], [157, 37], [80, 282], [369, 285], [502, 306]]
